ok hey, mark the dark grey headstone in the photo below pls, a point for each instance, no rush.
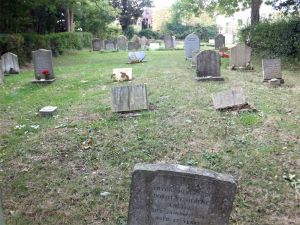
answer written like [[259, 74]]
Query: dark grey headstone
[[97, 44], [191, 44], [229, 99], [110, 45], [10, 63], [42, 60], [1, 74], [134, 45], [208, 66], [129, 98], [166, 194], [169, 41], [240, 56], [122, 42], [272, 69], [219, 41]]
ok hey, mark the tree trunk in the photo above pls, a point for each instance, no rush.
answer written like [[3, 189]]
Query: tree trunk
[[69, 19], [255, 6]]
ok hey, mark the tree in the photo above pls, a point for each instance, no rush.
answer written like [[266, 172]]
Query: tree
[[131, 10], [287, 6]]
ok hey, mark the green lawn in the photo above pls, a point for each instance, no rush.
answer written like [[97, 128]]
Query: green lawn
[[53, 170]]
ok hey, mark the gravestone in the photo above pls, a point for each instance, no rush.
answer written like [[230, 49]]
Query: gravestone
[[122, 74], [208, 66], [166, 194], [144, 42], [194, 58], [1, 75], [110, 45], [97, 44], [219, 41], [122, 42], [136, 57], [229, 99], [154, 46], [10, 63], [43, 66], [191, 44], [272, 69], [48, 111], [240, 56], [169, 41], [129, 98], [274, 83]]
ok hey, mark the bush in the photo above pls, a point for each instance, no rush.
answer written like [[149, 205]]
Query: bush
[[23, 44], [148, 33], [274, 38], [129, 32]]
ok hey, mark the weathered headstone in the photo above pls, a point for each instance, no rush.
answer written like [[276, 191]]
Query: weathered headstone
[[136, 57], [219, 41], [10, 63], [194, 58], [272, 69], [133, 46], [229, 99], [122, 74], [169, 41], [167, 194], [240, 57], [43, 66], [48, 111], [129, 98], [1, 75], [144, 42], [154, 46], [122, 42], [110, 45], [97, 44], [208, 66], [191, 44]]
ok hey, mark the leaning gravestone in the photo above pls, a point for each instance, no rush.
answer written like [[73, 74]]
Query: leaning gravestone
[[169, 41], [97, 44], [136, 57], [234, 98], [166, 194], [129, 98], [219, 41], [10, 63], [240, 57], [1, 75], [208, 66], [272, 70], [122, 42], [43, 66], [191, 44], [110, 45]]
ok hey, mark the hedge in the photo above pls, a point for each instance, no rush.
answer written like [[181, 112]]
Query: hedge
[[274, 38], [23, 44]]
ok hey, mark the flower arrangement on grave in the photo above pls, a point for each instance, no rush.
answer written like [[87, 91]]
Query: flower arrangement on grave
[[43, 74]]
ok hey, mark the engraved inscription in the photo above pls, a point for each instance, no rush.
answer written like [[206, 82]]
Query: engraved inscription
[[272, 68]]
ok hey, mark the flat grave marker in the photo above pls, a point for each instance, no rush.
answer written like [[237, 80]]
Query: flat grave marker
[[48, 111], [43, 66], [233, 98], [167, 194], [122, 74], [10, 63]]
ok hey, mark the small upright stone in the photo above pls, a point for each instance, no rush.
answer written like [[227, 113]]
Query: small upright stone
[[154, 46], [97, 44], [169, 41], [144, 42], [191, 44], [10, 63], [272, 70], [48, 111], [194, 58], [233, 98], [43, 66], [219, 41], [208, 66], [240, 57], [122, 42], [110, 45], [129, 98], [167, 194]]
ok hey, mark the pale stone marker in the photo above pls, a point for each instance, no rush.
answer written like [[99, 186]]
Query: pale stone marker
[[167, 194], [191, 44], [272, 69], [10, 63], [43, 66], [144, 42], [194, 58], [122, 74], [154, 46], [129, 98], [275, 83], [240, 56], [48, 111], [219, 41], [208, 66], [110, 45], [97, 44], [136, 57], [229, 99], [1, 75], [122, 42], [169, 41]]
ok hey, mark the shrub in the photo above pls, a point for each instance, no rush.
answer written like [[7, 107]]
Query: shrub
[[148, 33], [274, 38], [129, 32]]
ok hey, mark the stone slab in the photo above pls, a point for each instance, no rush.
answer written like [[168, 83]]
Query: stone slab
[[154, 46], [167, 194], [228, 99], [10, 63], [274, 83], [191, 44], [203, 79], [98, 44], [48, 111], [272, 69], [43, 81], [122, 74], [129, 98], [136, 57]]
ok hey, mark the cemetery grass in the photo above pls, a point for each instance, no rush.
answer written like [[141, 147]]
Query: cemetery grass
[[57, 170]]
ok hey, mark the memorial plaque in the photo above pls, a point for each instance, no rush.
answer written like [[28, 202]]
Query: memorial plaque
[[228, 99], [166, 194], [240, 56], [191, 44], [97, 44], [10, 63], [110, 45], [219, 41], [43, 65], [129, 98], [272, 69], [122, 42]]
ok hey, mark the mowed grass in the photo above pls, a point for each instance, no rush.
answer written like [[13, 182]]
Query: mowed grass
[[53, 170]]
